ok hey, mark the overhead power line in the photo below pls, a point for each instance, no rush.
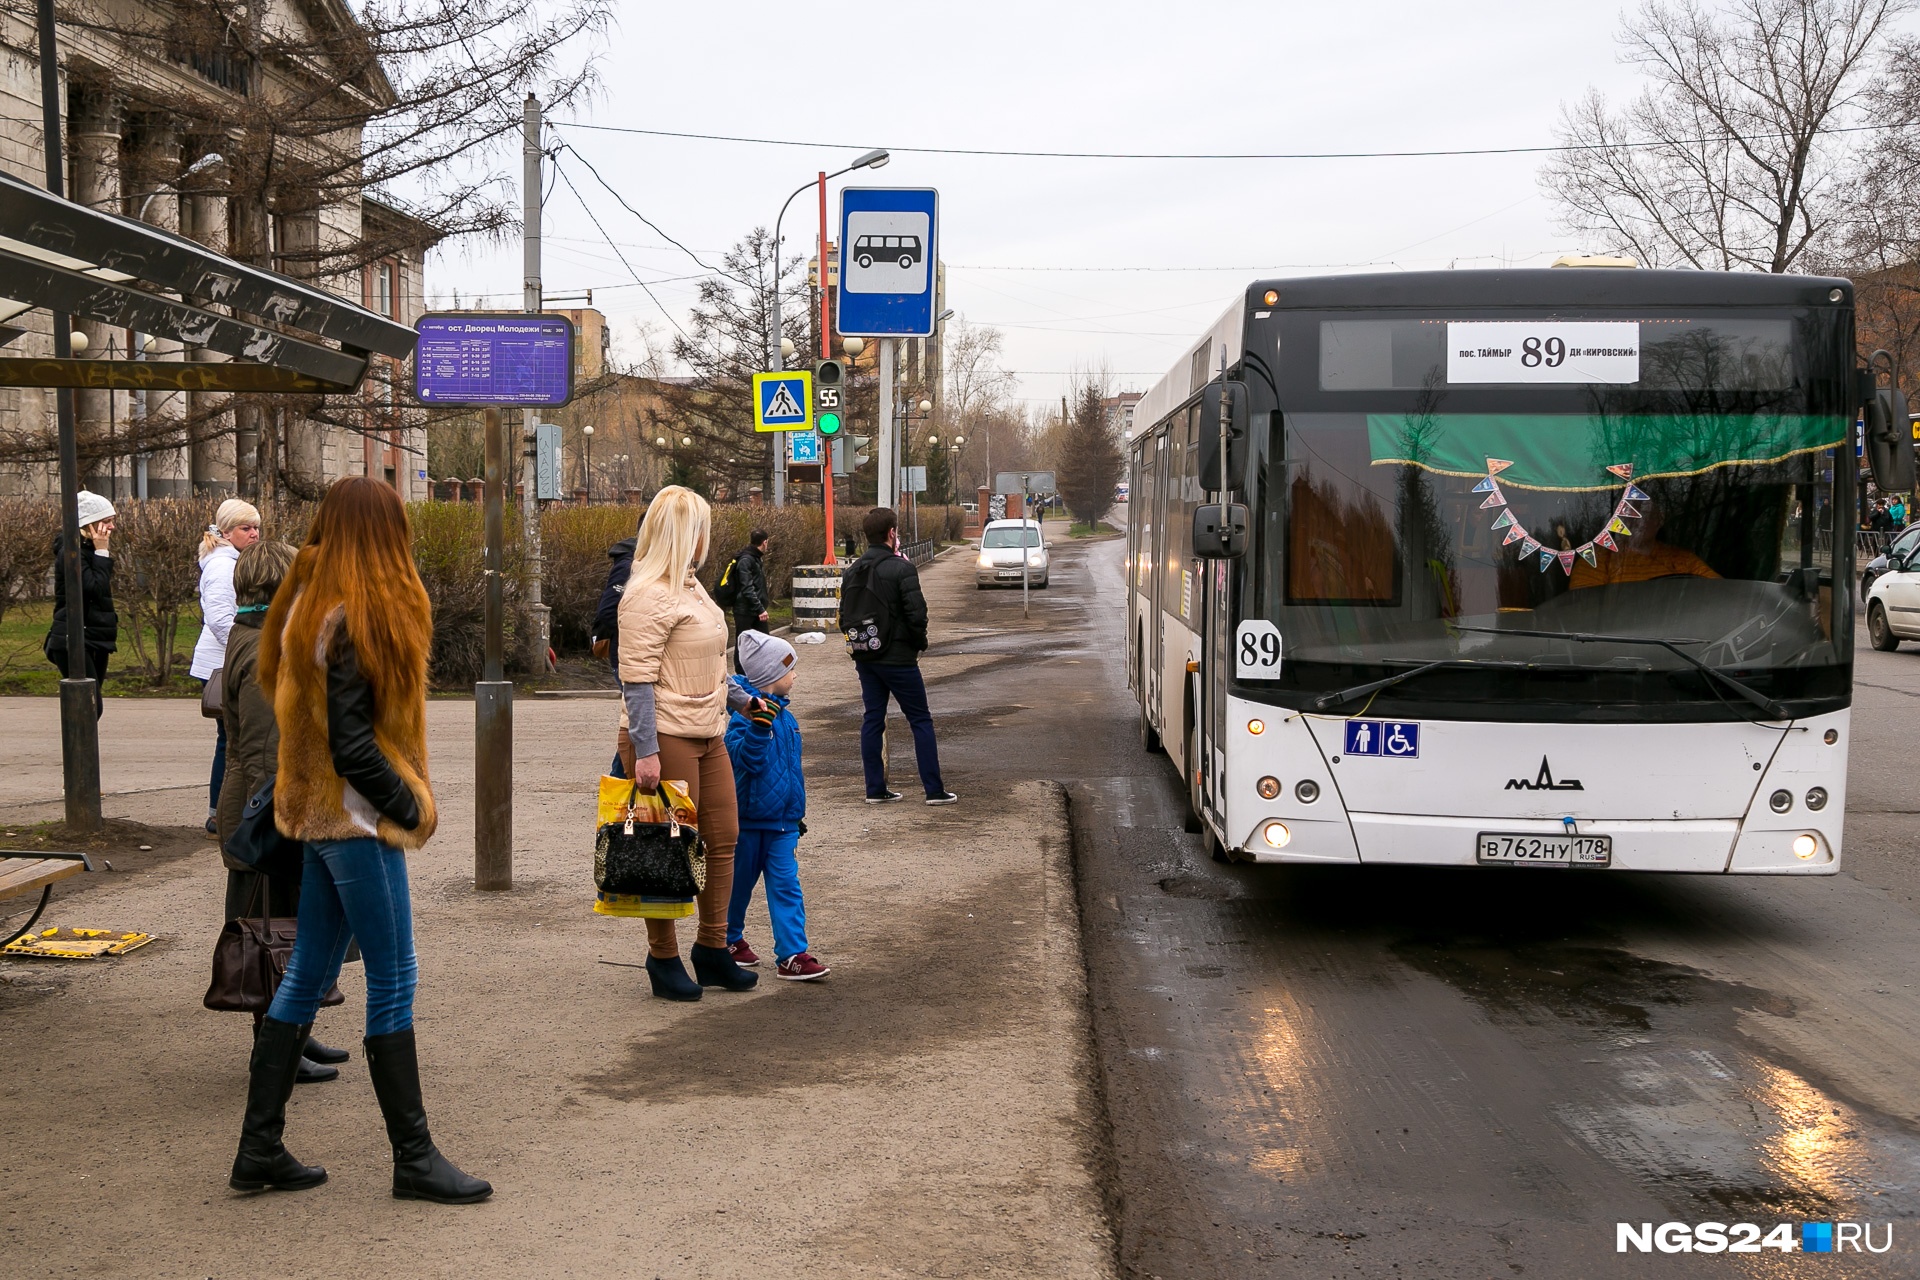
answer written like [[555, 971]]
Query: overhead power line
[[1640, 145]]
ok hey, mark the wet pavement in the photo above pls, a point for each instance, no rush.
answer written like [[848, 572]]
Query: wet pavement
[[1316, 1071]]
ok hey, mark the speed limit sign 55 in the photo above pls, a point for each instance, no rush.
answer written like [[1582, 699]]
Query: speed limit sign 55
[[1257, 650]]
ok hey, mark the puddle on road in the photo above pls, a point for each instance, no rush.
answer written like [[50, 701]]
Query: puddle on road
[[1666, 1087]]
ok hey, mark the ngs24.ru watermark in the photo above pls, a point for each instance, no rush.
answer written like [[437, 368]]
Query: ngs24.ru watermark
[[1748, 1237]]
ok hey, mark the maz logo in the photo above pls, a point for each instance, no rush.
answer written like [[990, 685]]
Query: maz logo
[[1543, 781]]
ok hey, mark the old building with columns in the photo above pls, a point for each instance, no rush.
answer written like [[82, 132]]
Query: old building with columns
[[168, 130]]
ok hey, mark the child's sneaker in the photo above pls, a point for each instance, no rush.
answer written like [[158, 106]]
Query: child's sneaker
[[801, 968], [742, 953]]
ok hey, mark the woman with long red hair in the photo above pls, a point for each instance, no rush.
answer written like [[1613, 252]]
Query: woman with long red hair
[[344, 654]]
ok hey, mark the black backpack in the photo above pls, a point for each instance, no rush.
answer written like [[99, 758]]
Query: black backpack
[[727, 590], [865, 620]]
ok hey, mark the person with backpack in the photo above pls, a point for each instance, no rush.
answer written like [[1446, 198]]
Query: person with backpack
[[884, 618], [605, 639], [743, 590]]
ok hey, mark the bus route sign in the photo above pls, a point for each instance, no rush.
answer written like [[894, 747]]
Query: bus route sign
[[889, 262], [502, 359]]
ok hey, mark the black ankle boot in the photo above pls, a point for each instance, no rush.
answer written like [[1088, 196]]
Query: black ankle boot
[[312, 1072], [326, 1055], [420, 1172], [715, 968], [670, 980], [263, 1162]]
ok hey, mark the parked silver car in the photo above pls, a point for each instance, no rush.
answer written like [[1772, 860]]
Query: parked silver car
[[1002, 544]]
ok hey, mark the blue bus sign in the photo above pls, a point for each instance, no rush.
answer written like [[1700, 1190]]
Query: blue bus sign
[[505, 359], [889, 257]]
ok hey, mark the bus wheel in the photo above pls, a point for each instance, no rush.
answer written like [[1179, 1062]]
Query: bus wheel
[[1878, 632], [1215, 850], [1149, 740]]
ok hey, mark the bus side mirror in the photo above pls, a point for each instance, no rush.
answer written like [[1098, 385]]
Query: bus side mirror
[[1889, 431], [1220, 533], [1235, 396]]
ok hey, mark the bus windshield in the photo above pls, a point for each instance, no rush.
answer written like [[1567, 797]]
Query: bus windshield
[[1511, 535]]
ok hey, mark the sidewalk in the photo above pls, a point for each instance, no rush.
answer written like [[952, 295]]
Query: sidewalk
[[924, 1111]]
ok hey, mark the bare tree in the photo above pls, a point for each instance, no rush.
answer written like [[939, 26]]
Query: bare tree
[[978, 402], [1730, 159]]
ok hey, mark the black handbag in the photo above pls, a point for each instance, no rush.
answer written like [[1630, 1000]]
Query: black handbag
[[649, 859], [250, 958], [257, 842]]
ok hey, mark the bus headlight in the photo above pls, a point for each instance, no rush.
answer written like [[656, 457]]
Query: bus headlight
[[1805, 846], [1268, 787], [1277, 835], [1817, 798], [1780, 801]]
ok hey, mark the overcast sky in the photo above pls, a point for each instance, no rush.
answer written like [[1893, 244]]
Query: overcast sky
[[1078, 261]]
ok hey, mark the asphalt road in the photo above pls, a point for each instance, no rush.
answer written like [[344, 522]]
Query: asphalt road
[[1410, 1072]]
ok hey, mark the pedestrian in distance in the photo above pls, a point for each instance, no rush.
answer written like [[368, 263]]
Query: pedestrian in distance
[[884, 616], [676, 694], [1897, 512], [743, 588], [98, 621], [770, 783], [344, 652], [605, 638], [253, 756], [235, 527]]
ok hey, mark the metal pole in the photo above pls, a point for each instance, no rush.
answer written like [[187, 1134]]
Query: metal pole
[[493, 695], [1026, 505], [530, 193], [532, 189], [776, 361], [888, 494], [826, 353], [79, 727]]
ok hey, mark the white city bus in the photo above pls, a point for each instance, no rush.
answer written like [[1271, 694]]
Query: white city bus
[[1539, 568]]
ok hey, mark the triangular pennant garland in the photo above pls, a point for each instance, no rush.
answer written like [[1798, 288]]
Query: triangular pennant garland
[[1634, 494], [1485, 486], [1513, 535], [1528, 547], [1506, 519], [1628, 510], [1604, 539], [1495, 466], [1624, 470], [1494, 499], [1546, 558], [1615, 526], [1586, 553], [1566, 561]]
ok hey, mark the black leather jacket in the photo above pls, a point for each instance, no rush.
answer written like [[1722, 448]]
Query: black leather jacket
[[897, 583], [356, 755]]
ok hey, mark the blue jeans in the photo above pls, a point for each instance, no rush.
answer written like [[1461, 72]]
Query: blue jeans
[[219, 759], [910, 691], [773, 854], [352, 889]]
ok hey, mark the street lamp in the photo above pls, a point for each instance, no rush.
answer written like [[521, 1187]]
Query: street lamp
[[587, 432], [776, 347]]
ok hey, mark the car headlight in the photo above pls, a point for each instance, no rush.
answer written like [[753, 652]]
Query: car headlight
[[1035, 560], [986, 561]]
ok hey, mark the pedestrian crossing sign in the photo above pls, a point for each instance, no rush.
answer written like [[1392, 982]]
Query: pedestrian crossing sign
[[783, 401]]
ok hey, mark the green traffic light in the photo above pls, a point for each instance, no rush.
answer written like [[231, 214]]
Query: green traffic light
[[829, 424]]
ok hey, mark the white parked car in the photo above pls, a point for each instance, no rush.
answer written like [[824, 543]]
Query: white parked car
[[1893, 601], [1002, 544]]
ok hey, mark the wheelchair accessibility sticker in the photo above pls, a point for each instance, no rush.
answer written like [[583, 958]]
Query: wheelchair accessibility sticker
[[1397, 739]]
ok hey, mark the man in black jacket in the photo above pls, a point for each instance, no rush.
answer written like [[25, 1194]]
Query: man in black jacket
[[894, 670], [750, 596]]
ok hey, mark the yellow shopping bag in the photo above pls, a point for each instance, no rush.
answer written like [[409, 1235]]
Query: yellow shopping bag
[[615, 795]]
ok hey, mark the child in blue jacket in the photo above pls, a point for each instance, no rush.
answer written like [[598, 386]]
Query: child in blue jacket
[[771, 790]]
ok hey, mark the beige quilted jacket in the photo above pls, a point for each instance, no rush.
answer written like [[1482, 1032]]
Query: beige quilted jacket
[[675, 639]]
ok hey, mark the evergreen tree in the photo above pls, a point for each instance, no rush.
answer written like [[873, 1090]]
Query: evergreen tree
[[1088, 462]]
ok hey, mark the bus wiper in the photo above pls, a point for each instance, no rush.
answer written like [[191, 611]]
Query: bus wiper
[[1339, 696], [1773, 709]]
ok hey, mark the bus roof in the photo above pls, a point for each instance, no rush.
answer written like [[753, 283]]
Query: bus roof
[[1533, 288]]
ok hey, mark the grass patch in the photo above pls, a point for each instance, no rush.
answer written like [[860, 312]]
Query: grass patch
[[1080, 529], [25, 671]]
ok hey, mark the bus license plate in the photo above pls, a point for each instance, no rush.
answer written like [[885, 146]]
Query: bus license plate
[[1544, 850]]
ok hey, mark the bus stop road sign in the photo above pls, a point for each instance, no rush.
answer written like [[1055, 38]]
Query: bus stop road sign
[[890, 247], [783, 401]]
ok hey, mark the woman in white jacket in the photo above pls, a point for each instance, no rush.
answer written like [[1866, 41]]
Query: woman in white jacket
[[235, 528]]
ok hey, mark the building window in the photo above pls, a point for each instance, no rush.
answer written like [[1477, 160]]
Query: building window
[[385, 289]]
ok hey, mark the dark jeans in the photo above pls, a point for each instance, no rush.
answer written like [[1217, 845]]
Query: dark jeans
[[877, 681], [219, 759], [348, 889]]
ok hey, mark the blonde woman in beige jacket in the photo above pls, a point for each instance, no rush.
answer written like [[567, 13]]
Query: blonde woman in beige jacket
[[673, 678]]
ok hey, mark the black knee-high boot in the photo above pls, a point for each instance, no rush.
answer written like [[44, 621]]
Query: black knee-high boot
[[263, 1162], [420, 1172]]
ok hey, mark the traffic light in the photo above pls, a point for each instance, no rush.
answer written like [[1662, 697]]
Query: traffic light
[[828, 379], [860, 456]]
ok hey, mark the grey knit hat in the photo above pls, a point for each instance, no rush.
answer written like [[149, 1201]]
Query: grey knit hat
[[764, 658]]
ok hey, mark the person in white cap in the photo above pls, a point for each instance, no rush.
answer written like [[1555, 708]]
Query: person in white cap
[[97, 618], [235, 527], [770, 788]]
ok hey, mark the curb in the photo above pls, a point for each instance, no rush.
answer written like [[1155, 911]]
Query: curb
[[1068, 964]]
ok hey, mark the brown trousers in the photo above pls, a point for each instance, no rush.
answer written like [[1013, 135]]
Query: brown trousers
[[703, 764]]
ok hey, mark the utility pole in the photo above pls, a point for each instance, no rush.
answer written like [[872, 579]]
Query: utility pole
[[79, 728], [826, 353], [532, 186]]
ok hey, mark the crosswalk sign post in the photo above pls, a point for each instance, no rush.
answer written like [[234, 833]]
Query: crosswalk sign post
[[783, 401]]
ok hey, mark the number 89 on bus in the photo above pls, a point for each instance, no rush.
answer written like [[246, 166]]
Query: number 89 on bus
[[1257, 650]]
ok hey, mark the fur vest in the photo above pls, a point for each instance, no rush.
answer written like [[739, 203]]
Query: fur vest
[[309, 798]]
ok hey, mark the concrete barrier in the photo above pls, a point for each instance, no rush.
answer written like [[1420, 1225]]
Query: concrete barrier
[[816, 597]]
